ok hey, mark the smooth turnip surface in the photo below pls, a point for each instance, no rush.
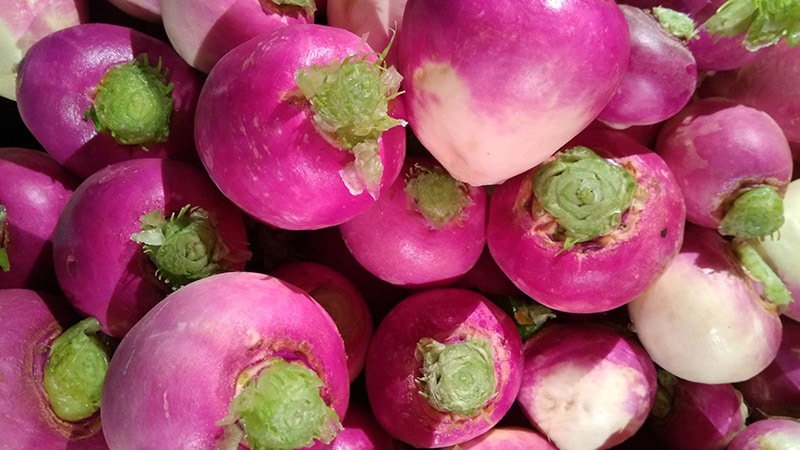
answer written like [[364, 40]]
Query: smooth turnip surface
[[376, 20], [507, 438], [609, 270], [175, 373], [342, 300], [586, 386], [493, 88], [31, 321], [147, 10], [705, 302], [33, 190], [56, 88], [254, 128], [100, 269], [361, 431], [775, 432], [428, 402], [426, 230]]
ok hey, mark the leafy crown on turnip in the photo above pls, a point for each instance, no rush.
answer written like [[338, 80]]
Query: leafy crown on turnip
[[133, 103], [309, 7], [438, 196], [772, 287], [676, 23], [585, 194], [756, 212], [763, 22]]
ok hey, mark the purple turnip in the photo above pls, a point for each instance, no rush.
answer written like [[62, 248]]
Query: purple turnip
[[376, 20], [306, 114], [341, 299], [96, 93], [427, 229], [774, 432], [202, 31], [33, 190], [134, 230], [147, 10], [592, 227], [444, 366], [732, 163], [32, 324], [507, 438], [361, 431], [493, 88], [762, 23], [715, 52], [225, 361], [704, 319]]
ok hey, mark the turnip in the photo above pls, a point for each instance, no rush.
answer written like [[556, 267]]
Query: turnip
[[492, 88], [714, 52], [444, 367], [732, 163], [202, 31], [507, 438], [775, 433], [697, 416], [341, 299], [306, 114], [763, 23], [661, 74], [234, 358], [427, 229], [147, 10], [22, 23], [95, 93], [33, 190], [586, 386], [33, 322], [376, 20], [703, 319], [134, 230], [592, 227], [361, 431]]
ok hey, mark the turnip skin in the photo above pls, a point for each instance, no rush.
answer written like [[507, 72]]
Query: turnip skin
[[33, 189], [32, 320], [100, 269], [54, 91], [598, 275], [174, 374], [273, 142], [361, 431], [492, 88], [586, 386], [146, 10], [449, 316], [376, 20], [773, 432], [507, 438]]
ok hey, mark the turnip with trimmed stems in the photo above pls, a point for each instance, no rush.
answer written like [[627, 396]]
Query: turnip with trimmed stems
[[310, 115], [376, 20], [698, 416], [444, 367], [427, 229], [202, 31], [762, 22], [33, 190], [341, 299], [773, 432], [22, 23], [135, 230], [590, 228], [586, 385], [225, 361], [53, 370], [492, 88], [661, 74], [97, 93], [507, 438], [732, 163], [709, 300]]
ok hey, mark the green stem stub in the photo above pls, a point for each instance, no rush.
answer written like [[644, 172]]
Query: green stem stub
[[5, 264], [529, 315], [585, 194], [665, 394], [185, 247], [75, 371], [309, 7], [754, 213], [134, 103], [763, 22], [280, 408], [350, 101], [676, 23], [457, 378], [773, 288], [439, 197]]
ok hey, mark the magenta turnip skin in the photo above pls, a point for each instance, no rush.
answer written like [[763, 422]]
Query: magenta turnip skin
[[105, 273], [507, 438], [32, 321], [492, 88], [376, 20], [176, 376], [732, 163], [58, 84], [427, 229], [361, 431], [146, 10], [773, 432], [256, 127], [706, 302], [341, 299], [444, 366], [586, 386], [605, 271], [33, 190]]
